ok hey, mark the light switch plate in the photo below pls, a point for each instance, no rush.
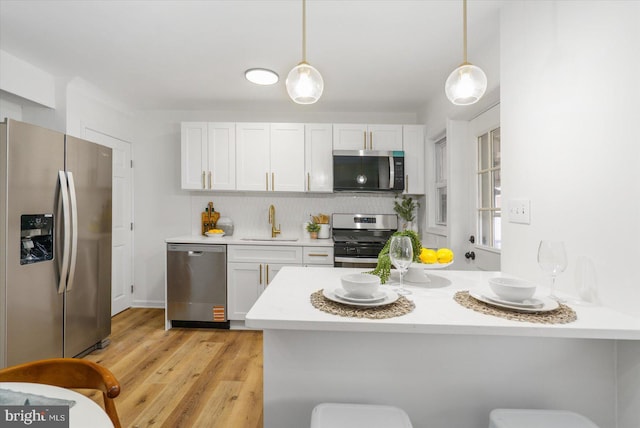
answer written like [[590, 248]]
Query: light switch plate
[[520, 211]]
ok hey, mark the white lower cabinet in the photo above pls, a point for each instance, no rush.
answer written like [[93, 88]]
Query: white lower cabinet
[[250, 269], [317, 256]]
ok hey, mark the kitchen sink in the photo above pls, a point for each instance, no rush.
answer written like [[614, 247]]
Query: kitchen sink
[[270, 239]]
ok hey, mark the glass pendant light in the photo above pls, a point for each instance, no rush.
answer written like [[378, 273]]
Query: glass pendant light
[[467, 83], [304, 83]]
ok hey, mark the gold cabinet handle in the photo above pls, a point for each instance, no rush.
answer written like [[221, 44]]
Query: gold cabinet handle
[[371, 140], [267, 269], [308, 182], [210, 184], [406, 183], [364, 138], [318, 255], [273, 186], [204, 185], [260, 268], [266, 181]]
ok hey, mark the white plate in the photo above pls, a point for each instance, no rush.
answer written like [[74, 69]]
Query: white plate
[[342, 293], [214, 235], [390, 297], [526, 303], [547, 303]]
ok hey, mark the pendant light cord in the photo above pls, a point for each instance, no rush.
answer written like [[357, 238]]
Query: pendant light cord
[[304, 31], [464, 20]]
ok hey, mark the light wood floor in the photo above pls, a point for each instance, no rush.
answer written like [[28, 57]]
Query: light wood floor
[[183, 377]]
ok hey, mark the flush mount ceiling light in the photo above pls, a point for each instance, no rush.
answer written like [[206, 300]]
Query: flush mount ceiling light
[[467, 83], [261, 76], [304, 83]]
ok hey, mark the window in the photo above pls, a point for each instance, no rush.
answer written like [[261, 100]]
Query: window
[[441, 181], [489, 190]]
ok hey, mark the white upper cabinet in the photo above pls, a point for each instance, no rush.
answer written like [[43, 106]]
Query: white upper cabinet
[[413, 137], [252, 150], [385, 137], [318, 158], [208, 156], [348, 136], [193, 145], [287, 157], [222, 156], [270, 157]]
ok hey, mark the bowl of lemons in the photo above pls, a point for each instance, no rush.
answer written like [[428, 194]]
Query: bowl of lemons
[[429, 259], [215, 233]]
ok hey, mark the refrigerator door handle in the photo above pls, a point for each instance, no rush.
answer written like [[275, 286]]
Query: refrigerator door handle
[[74, 230], [64, 266]]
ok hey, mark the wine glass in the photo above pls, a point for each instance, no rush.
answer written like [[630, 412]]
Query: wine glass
[[401, 255], [552, 258]]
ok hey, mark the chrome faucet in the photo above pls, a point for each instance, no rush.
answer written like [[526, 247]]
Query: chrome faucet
[[272, 221]]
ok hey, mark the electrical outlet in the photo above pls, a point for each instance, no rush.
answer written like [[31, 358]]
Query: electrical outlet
[[520, 211]]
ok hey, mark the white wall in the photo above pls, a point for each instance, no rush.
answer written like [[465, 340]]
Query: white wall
[[89, 107], [569, 116], [20, 78], [570, 140]]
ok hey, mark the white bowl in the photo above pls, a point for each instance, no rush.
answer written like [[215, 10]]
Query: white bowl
[[360, 284], [512, 289], [214, 235]]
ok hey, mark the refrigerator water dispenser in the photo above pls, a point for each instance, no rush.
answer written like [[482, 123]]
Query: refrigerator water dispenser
[[36, 238]]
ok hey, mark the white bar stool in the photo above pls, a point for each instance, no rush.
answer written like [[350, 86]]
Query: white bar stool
[[530, 418], [344, 415]]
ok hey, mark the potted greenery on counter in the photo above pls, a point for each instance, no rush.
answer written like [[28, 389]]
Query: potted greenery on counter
[[313, 228], [405, 208]]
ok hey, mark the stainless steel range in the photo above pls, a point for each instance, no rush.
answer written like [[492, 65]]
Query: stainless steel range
[[358, 238]]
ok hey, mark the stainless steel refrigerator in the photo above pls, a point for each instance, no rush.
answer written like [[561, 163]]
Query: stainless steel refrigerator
[[55, 244]]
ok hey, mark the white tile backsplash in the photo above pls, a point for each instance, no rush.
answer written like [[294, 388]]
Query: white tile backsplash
[[249, 211]]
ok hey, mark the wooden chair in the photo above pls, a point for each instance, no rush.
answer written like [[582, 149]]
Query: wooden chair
[[69, 373]]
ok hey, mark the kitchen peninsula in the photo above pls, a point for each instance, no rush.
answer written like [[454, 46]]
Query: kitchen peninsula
[[445, 365]]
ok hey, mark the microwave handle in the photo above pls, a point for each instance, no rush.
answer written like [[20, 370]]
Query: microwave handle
[[392, 172]]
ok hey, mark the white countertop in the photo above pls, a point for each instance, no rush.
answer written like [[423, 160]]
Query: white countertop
[[285, 304], [246, 240]]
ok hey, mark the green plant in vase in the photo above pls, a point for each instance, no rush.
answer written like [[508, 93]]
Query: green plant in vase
[[313, 228], [405, 208]]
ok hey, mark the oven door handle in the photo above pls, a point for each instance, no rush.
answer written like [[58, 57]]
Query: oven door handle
[[355, 260]]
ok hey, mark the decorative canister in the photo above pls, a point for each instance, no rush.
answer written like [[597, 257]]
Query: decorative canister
[[225, 224]]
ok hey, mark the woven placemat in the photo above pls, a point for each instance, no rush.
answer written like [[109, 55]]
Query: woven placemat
[[563, 315], [400, 307]]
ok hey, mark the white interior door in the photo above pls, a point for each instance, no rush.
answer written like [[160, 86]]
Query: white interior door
[[122, 218]]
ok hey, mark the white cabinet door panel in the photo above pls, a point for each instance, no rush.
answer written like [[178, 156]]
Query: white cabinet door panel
[[193, 155], [287, 157], [349, 136], [243, 288], [318, 143], [414, 159], [222, 156], [385, 137], [253, 153]]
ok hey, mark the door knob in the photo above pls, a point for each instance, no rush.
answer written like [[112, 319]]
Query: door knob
[[470, 255]]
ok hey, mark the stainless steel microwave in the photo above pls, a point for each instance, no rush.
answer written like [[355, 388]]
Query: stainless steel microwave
[[368, 171]]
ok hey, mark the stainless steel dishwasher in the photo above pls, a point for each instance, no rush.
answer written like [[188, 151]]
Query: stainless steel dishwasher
[[197, 285]]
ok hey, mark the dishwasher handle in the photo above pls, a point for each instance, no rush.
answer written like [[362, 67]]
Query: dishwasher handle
[[195, 253]]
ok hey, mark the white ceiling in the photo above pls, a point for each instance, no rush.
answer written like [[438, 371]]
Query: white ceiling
[[374, 55]]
